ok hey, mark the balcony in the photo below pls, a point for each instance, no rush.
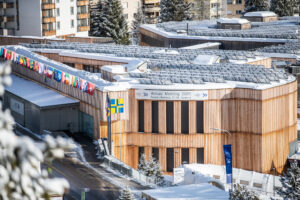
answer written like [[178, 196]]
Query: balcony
[[49, 32], [83, 28], [151, 1], [151, 9], [83, 15], [46, 5], [7, 18], [6, 5], [82, 2], [49, 19]]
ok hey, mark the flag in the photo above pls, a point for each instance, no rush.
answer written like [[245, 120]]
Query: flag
[[85, 86], [1, 52], [228, 162], [49, 72], [31, 66], [27, 62], [17, 57], [62, 77], [57, 75], [91, 88], [74, 81], [36, 66], [21, 61], [67, 79], [117, 105], [4, 53], [41, 68], [81, 84], [78, 82], [107, 106]]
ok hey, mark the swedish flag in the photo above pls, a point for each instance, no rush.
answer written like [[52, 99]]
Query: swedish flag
[[116, 106]]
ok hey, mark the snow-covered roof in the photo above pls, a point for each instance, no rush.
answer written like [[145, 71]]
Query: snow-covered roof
[[188, 192], [176, 71], [260, 14], [283, 30], [37, 94], [115, 69], [232, 21], [203, 45]]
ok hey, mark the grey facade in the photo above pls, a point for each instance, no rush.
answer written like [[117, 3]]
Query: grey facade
[[37, 119]]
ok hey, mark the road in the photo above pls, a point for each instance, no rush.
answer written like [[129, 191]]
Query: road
[[80, 177], [100, 183]]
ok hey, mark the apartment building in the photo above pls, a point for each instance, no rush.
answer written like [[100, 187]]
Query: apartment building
[[151, 9], [235, 8], [130, 8], [208, 9], [44, 18]]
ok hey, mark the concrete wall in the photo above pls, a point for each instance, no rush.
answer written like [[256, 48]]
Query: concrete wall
[[30, 17], [130, 7]]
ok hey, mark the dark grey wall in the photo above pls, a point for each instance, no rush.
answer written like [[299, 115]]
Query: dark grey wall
[[60, 118]]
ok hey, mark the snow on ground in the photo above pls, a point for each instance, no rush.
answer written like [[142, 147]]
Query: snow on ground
[[203, 191], [262, 184]]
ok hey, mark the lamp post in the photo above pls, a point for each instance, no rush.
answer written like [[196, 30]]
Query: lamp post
[[226, 132]]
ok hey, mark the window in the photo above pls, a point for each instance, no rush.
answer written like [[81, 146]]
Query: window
[[229, 12], [170, 159], [238, 1], [154, 116], [155, 153], [185, 155], [72, 23], [199, 116], [170, 117], [58, 25], [141, 152], [141, 116], [57, 12], [126, 16], [238, 12], [200, 155], [185, 117], [229, 1], [57, 1], [72, 10]]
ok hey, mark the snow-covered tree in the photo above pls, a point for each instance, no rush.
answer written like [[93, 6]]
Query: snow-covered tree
[[142, 166], [174, 10], [126, 194], [290, 183], [139, 19], [151, 168], [283, 7], [256, 5], [241, 193], [113, 23], [20, 158], [96, 12]]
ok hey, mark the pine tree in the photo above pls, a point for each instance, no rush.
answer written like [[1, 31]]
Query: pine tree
[[151, 169], [113, 23], [174, 10], [256, 5], [139, 19], [96, 11], [126, 194], [142, 166], [290, 183], [283, 7], [241, 193], [20, 173]]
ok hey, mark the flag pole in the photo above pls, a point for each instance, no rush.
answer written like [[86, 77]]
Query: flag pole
[[109, 125]]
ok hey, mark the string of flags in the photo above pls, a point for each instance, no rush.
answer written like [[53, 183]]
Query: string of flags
[[50, 72]]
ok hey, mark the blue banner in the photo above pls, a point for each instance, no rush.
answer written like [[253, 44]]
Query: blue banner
[[228, 162]]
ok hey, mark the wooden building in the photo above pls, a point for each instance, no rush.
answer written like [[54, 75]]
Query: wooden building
[[175, 123]]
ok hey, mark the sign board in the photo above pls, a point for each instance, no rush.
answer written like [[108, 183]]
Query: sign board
[[17, 106], [228, 162], [171, 95], [178, 175]]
